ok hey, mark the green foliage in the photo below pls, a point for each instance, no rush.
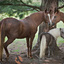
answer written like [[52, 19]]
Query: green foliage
[[13, 11], [16, 11], [10, 1], [29, 1]]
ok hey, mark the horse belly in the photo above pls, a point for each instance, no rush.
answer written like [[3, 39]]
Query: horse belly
[[27, 33], [24, 35]]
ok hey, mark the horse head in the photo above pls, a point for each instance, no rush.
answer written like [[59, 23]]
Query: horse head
[[49, 16], [56, 17]]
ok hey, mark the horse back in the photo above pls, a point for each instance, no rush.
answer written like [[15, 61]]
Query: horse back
[[11, 27], [18, 28]]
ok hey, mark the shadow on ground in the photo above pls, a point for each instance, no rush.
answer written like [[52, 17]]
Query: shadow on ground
[[21, 57]]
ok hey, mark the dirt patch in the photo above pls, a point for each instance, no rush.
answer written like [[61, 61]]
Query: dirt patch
[[14, 56]]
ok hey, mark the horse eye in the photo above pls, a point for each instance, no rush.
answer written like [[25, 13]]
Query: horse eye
[[54, 16]]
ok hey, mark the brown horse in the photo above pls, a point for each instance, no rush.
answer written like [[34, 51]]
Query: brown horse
[[25, 28], [58, 16]]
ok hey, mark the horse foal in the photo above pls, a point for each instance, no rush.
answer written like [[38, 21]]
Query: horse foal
[[48, 41]]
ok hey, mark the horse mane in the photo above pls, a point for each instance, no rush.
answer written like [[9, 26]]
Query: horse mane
[[33, 15], [36, 13]]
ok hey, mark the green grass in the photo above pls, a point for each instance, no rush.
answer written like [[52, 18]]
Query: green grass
[[60, 25], [17, 50]]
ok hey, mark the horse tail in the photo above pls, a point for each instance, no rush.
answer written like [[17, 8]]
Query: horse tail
[[42, 46], [0, 44], [2, 37]]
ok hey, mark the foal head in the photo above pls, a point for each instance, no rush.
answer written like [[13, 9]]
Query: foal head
[[57, 17]]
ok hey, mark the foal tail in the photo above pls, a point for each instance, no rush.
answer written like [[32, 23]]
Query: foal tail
[[42, 46]]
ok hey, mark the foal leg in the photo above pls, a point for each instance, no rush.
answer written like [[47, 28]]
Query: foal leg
[[49, 51], [31, 40], [9, 41], [27, 39]]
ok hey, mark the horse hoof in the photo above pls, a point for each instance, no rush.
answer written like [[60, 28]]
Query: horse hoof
[[7, 58], [1, 60], [48, 56], [43, 58], [28, 56], [31, 57]]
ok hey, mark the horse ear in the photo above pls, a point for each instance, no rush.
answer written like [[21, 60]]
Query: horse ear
[[45, 10], [50, 11], [60, 29], [56, 10]]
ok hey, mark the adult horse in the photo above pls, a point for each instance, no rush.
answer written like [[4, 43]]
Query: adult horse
[[48, 40], [25, 28]]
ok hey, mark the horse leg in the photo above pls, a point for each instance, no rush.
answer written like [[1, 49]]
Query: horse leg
[[2, 37], [27, 39], [9, 41], [31, 40], [49, 51]]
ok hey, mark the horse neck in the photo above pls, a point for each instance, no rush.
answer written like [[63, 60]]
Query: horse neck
[[37, 18], [62, 16], [55, 32]]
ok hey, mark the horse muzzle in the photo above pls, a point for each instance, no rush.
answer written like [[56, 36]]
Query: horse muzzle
[[51, 24]]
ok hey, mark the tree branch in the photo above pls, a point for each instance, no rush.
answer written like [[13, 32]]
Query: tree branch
[[30, 5], [26, 10], [23, 4], [60, 7]]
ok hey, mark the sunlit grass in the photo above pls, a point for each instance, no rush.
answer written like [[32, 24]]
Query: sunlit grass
[[17, 50], [60, 25]]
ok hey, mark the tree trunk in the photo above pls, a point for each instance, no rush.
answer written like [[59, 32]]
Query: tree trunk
[[44, 27], [48, 4]]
